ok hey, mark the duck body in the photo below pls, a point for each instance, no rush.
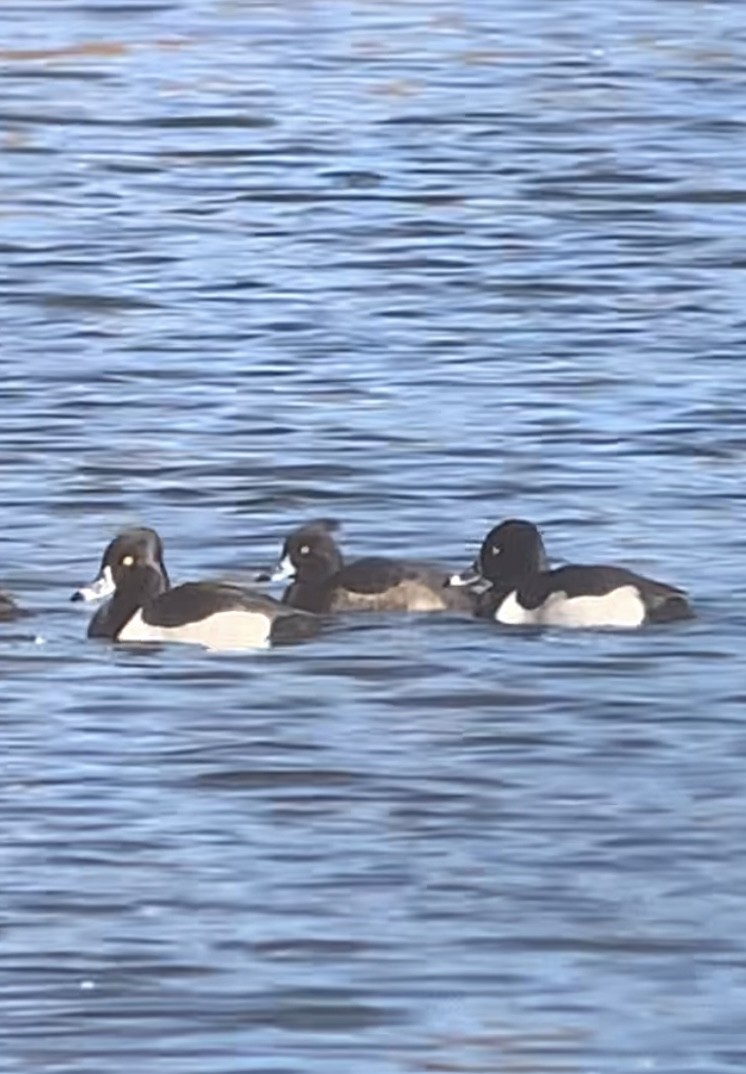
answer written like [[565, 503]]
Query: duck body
[[144, 608], [586, 596], [524, 592]]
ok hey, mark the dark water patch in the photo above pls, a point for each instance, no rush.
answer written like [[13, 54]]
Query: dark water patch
[[230, 120], [54, 75], [88, 303], [311, 948], [122, 10], [277, 779]]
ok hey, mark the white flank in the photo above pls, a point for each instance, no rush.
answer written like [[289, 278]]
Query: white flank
[[224, 631], [622, 607], [512, 613]]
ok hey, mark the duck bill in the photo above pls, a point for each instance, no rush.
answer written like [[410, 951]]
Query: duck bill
[[470, 578], [284, 571], [100, 589]]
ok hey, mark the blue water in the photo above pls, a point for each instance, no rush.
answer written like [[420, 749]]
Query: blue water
[[418, 266]]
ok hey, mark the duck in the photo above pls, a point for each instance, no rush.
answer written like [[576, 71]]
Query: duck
[[142, 606], [321, 581], [523, 591], [9, 610]]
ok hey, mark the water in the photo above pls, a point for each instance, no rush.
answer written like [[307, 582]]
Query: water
[[419, 266]]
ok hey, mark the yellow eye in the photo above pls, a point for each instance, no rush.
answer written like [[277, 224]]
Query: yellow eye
[[304, 550], [127, 561]]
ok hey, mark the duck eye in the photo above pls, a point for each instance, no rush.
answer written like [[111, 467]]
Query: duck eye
[[127, 561], [304, 549], [495, 550]]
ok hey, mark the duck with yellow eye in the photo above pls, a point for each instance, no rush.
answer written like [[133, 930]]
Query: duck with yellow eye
[[142, 607], [322, 582]]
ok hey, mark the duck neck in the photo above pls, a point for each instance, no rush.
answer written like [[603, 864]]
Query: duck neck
[[307, 596], [311, 590], [138, 589]]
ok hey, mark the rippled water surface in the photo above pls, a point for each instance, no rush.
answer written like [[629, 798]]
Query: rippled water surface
[[418, 266]]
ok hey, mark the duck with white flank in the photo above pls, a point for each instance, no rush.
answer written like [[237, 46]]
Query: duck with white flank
[[522, 591], [143, 608]]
